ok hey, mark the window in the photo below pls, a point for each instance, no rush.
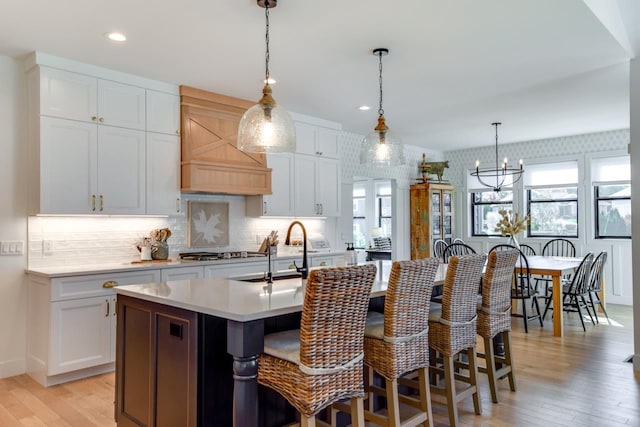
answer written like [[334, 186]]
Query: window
[[484, 211], [485, 205], [552, 199], [383, 207], [359, 217], [612, 197]]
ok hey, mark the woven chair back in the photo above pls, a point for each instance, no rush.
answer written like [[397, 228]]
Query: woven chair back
[[580, 280], [494, 315], [559, 247], [438, 248], [522, 287], [461, 285], [457, 249], [334, 311], [408, 297], [597, 272]]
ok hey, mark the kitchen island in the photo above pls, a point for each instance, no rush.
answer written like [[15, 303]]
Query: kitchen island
[[218, 326]]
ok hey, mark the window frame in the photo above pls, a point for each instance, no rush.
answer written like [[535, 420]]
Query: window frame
[[473, 204], [597, 199], [546, 201]]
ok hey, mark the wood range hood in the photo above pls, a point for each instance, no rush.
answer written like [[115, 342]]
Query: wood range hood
[[211, 161]]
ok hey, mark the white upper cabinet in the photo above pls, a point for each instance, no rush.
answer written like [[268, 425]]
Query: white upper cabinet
[[316, 140], [328, 187], [76, 96], [281, 201], [68, 95], [121, 105], [163, 177], [163, 112], [317, 186]]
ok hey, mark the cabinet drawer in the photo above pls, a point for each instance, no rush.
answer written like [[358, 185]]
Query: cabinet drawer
[[64, 288]]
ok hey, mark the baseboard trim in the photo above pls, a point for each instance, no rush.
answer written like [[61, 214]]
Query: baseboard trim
[[11, 368]]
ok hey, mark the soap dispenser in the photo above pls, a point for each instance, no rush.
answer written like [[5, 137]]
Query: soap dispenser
[[350, 256]]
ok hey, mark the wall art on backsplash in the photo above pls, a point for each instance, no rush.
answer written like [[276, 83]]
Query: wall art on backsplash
[[208, 224]]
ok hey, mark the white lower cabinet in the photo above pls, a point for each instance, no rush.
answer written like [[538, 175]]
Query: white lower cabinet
[[238, 269], [181, 273], [71, 324], [326, 260]]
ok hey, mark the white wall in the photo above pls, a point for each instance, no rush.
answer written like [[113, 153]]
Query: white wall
[[582, 148], [13, 220], [634, 77]]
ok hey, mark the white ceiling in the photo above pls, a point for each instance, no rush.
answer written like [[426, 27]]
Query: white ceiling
[[543, 67]]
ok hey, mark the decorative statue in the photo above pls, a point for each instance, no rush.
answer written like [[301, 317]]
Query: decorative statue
[[433, 168]]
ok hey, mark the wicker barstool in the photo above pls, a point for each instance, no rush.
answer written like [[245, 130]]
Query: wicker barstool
[[452, 330], [494, 317], [321, 362], [396, 343]]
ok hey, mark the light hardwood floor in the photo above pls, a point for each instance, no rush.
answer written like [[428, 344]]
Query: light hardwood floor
[[578, 380]]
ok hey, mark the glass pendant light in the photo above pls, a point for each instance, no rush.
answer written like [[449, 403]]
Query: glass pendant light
[[381, 147], [267, 127]]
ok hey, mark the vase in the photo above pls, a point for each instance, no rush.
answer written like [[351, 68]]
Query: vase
[[513, 241], [161, 251]]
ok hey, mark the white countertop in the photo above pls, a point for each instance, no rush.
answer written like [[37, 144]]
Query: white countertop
[[77, 270], [236, 300]]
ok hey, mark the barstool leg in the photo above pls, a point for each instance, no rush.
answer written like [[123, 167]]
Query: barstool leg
[[491, 368], [506, 335], [357, 412], [425, 395], [473, 377], [307, 421], [450, 385]]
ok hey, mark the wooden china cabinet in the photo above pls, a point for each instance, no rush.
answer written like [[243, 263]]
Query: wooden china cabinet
[[431, 217]]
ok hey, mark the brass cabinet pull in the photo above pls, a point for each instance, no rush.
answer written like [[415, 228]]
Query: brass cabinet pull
[[321, 208], [93, 202], [323, 263], [101, 203], [115, 307], [178, 205], [108, 310], [94, 118], [109, 284], [101, 119], [264, 210]]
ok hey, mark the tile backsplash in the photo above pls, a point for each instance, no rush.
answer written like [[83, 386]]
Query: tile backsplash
[[88, 240]]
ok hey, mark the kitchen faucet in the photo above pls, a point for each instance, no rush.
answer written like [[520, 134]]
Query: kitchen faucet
[[305, 266]]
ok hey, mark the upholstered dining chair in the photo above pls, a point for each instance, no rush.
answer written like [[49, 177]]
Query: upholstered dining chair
[[438, 248], [321, 362], [494, 317], [457, 249], [522, 288], [452, 330], [596, 277], [397, 342], [574, 294]]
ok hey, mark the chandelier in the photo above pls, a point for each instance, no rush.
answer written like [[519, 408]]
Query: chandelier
[[381, 147], [267, 127], [497, 177]]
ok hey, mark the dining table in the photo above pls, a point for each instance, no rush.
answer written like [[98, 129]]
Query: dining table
[[556, 267]]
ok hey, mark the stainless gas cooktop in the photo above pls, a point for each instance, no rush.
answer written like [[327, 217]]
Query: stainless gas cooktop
[[212, 256]]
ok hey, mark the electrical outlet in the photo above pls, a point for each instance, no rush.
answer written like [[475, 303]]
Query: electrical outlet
[[47, 247]]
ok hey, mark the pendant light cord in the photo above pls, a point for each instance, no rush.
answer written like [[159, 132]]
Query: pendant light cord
[[266, 39], [380, 110]]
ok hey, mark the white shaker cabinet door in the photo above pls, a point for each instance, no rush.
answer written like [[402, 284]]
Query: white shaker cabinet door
[[328, 186], [68, 95], [181, 273], [281, 201], [68, 165], [327, 143], [121, 105], [163, 112], [80, 334], [163, 174], [121, 171], [305, 186]]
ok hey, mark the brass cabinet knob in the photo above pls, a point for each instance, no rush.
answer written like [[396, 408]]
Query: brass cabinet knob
[[101, 119], [109, 284], [323, 263], [94, 118]]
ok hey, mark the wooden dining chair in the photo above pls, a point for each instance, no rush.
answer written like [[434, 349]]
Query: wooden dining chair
[[321, 362], [574, 294], [438, 248], [596, 277], [457, 249], [522, 288]]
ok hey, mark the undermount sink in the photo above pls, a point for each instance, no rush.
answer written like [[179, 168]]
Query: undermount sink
[[276, 276]]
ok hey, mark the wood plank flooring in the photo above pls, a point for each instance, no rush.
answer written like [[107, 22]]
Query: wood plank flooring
[[578, 380]]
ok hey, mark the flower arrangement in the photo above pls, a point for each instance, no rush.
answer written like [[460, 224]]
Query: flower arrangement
[[510, 224]]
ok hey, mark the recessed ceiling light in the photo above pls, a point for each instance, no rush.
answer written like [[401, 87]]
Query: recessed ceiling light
[[116, 37], [271, 81], [364, 108]]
